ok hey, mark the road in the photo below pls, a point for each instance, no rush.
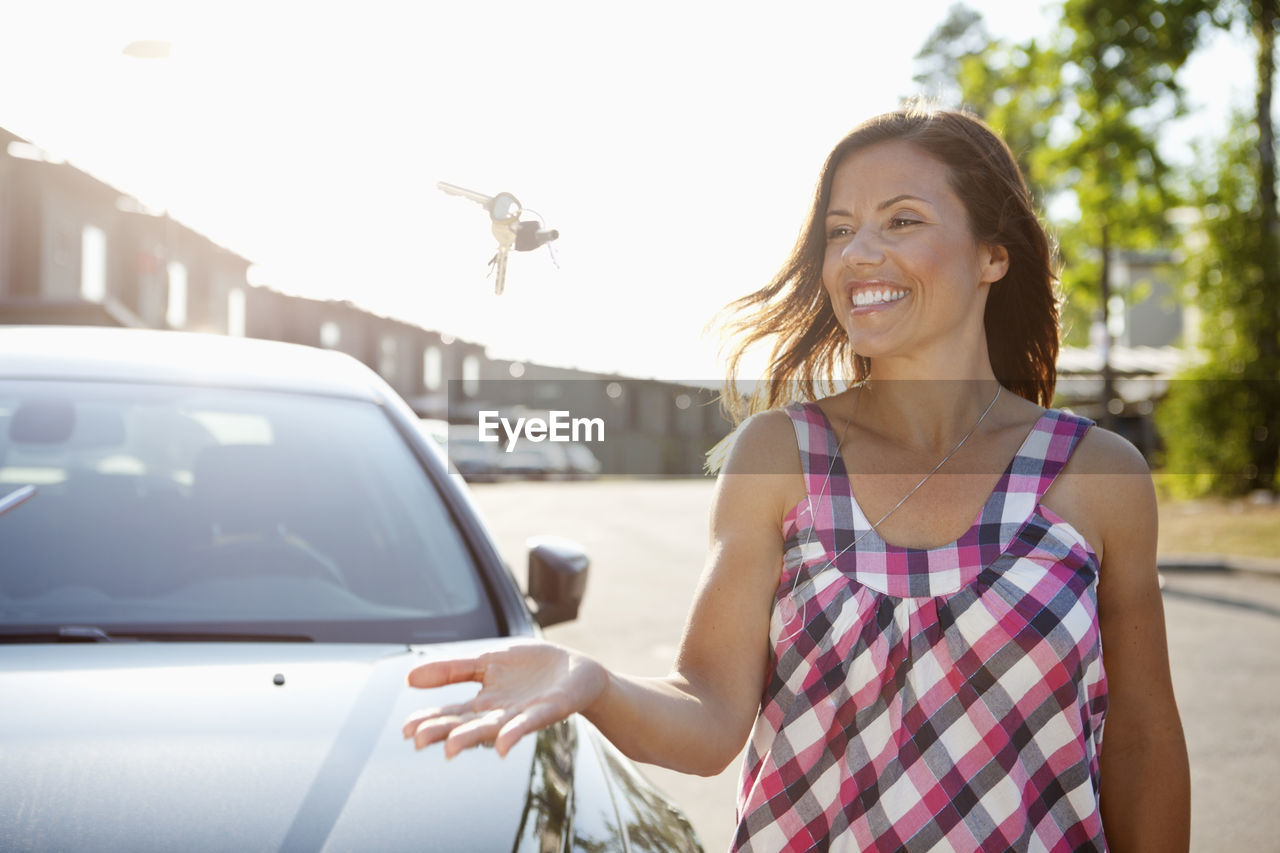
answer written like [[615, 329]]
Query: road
[[647, 540]]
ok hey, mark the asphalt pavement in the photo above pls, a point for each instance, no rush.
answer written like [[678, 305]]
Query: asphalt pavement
[[648, 538]]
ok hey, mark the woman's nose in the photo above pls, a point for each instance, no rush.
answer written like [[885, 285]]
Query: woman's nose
[[862, 248]]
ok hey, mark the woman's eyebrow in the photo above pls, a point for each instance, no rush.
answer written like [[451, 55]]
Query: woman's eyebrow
[[897, 198], [882, 205]]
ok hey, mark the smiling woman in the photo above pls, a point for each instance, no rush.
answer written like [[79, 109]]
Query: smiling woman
[[932, 679], [973, 192], [924, 281]]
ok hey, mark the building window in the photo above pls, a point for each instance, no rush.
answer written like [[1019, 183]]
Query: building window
[[235, 313], [387, 357], [432, 368], [176, 312], [470, 376], [330, 334], [93, 263]]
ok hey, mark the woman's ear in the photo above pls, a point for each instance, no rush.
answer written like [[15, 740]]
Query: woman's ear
[[995, 263]]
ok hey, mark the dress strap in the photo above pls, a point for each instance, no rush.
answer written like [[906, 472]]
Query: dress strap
[[817, 444], [1045, 452]]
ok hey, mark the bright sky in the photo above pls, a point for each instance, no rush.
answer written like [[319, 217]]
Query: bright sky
[[674, 145]]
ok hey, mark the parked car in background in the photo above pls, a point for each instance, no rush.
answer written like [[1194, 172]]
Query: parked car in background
[[487, 462], [476, 461], [529, 461], [219, 558], [583, 464], [547, 461]]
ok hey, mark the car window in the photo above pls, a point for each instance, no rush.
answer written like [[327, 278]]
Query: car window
[[161, 506]]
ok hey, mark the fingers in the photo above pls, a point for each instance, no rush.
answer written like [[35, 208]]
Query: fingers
[[529, 720], [478, 730], [457, 728], [417, 718], [512, 701], [442, 672], [461, 728], [430, 725], [428, 731]]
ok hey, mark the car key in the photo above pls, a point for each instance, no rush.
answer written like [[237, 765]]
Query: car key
[[504, 211]]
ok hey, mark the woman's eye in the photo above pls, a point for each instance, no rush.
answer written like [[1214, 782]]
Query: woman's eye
[[903, 221], [839, 231]]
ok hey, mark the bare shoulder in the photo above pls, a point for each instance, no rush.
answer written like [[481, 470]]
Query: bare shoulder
[[1104, 452], [1106, 492], [762, 469], [763, 443]]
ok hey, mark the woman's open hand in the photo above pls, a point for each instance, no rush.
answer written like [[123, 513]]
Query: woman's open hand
[[524, 687]]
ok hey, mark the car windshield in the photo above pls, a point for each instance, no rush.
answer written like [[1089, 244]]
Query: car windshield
[[152, 510]]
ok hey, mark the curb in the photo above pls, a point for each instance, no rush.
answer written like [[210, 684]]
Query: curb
[[1218, 563]]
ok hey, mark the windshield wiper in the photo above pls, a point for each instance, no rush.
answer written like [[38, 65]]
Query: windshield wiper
[[16, 498], [92, 634]]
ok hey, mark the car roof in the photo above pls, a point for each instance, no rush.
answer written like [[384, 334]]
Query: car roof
[[98, 353]]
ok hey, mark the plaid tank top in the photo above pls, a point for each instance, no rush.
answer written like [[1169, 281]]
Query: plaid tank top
[[948, 698]]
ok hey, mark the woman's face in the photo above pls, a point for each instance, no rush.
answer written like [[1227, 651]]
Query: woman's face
[[902, 268]]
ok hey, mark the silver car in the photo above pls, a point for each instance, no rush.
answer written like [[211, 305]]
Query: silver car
[[219, 558]]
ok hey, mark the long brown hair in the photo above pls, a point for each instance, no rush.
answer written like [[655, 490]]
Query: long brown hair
[[811, 349]]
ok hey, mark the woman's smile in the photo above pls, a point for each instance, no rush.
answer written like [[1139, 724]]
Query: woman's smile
[[870, 297]]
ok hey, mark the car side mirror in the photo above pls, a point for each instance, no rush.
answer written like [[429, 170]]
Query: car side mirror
[[557, 579]]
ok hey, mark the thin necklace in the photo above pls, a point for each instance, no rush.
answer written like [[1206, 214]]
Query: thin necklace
[[876, 524], [795, 580]]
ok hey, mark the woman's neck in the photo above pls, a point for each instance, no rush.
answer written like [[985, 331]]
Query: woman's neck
[[926, 405]]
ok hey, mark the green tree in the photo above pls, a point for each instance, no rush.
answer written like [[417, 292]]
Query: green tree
[[1017, 88], [1223, 424], [1094, 145], [1123, 56], [1084, 126], [960, 36], [1265, 325], [1214, 417]]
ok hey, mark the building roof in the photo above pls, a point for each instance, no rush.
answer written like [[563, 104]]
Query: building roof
[[125, 200], [1131, 361]]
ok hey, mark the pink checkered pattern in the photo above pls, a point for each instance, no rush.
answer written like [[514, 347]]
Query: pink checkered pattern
[[941, 699]]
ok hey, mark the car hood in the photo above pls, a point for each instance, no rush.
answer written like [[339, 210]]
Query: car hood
[[164, 746]]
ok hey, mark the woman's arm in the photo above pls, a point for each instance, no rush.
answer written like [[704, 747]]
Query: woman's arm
[[1145, 786], [695, 719]]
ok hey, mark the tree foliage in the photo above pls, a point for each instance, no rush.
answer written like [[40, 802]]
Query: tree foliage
[[1016, 88], [1084, 129], [1214, 414], [1084, 109], [1222, 424], [962, 34]]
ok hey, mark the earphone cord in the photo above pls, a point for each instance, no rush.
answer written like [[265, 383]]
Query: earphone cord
[[943, 461], [808, 531], [873, 525]]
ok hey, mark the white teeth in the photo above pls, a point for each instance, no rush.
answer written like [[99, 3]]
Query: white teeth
[[877, 297]]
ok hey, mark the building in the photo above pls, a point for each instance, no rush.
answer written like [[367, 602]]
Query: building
[[76, 250], [1148, 340]]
